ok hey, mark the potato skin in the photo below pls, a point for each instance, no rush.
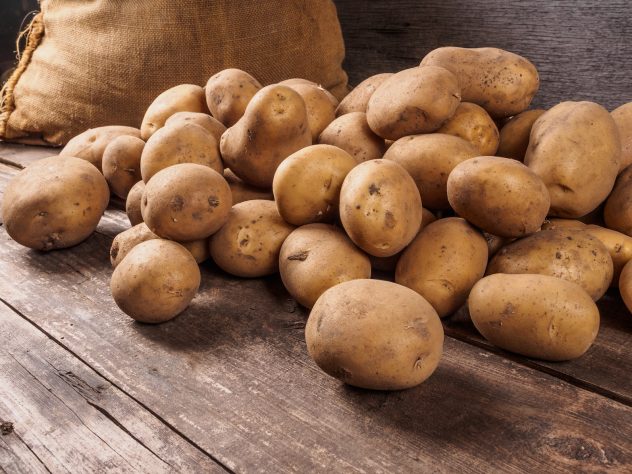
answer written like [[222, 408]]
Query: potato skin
[[127, 240], [413, 101], [358, 98], [54, 203], [228, 93], [500, 195], [625, 285], [619, 245], [210, 124], [574, 147], [429, 159], [320, 105], [352, 134], [572, 255], [622, 117], [534, 315], [316, 257], [514, 135], [242, 191], [156, 281], [121, 164], [443, 263], [390, 341], [249, 243], [472, 123], [501, 82], [380, 207], [559, 223], [133, 203]]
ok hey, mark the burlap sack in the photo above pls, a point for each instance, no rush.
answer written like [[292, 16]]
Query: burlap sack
[[101, 62]]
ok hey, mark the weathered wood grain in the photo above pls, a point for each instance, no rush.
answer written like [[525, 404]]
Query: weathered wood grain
[[15, 154], [582, 49]]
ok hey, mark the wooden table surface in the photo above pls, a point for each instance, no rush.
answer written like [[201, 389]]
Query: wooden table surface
[[228, 385]]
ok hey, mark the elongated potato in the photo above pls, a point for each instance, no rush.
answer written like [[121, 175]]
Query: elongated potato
[[514, 135], [352, 133], [472, 123], [623, 119], [133, 203], [358, 98], [228, 93], [619, 245], [121, 164]]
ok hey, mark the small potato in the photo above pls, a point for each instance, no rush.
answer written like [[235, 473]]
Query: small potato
[[472, 123], [54, 203], [534, 315], [91, 144], [186, 202], [243, 191], [573, 255], [307, 184], [210, 124], [557, 223], [429, 159], [374, 334], [181, 98], [121, 164], [133, 203], [501, 82], [248, 244], [316, 257], [179, 143], [625, 285], [198, 249], [617, 212], [320, 105], [500, 195], [413, 101], [156, 281], [228, 93], [443, 263], [623, 119], [358, 98], [514, 135], [351, 133], [380, 207], [619, 245]]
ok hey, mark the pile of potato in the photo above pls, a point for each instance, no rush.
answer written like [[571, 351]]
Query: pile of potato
[[285, 179]]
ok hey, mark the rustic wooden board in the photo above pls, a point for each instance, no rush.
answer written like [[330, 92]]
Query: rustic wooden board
[[582, 49], [21, 156]]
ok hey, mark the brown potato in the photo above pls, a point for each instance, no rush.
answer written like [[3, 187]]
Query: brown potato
[[413, 101], [625, 285], [472, 123], [619, 245], [617, 212], [622, 117], [210, 124], [358, 98], [198, 248], [228, 93], [243, 191], [320, 105], [351, 133], [557, 223], [534, 315], [133, 203], [514, 135], [495, 243], [121, 164]]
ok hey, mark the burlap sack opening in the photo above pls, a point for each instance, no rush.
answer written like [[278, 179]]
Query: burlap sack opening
[[101, 62]]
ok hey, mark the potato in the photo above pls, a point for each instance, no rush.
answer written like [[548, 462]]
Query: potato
[[228, 93], [443, 263], [534, 315], [307, 184], [54, 203], [182, 142], [556, 223], [500, 195], [352, 134], [380, 207], [573, 255], [186, 202], [181, 98], [248, 244], [622, 117], [210, 124], [316, 257], [574, 147], [430, 159], [495, 243], [472, 123], [625, 285], [273, 127], [358, 98], [514, 135], [243, 191], [91, 144], [156, 281], [121, 164], [619, 245], [617, 212], [413, 101], [198, 248], [391, 340], [501, 82], [133, 203], [320, 105]]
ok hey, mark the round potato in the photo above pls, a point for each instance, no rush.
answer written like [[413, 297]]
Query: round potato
[[133, 203], [617, 212], [121, 164], [500, 195], [413, 101], [316, 257], [391, 340], [54, 203], [443, 263], [156, 281], [352, 134], [210, 124], [228, 93], [307, 184], [380, 207], [625, 285], [622, 117], [320, 105], [534, 315], [429, 159], [186, 202], [358, 98], [619, 245], [243, 191], [514, 135], [472, 123]]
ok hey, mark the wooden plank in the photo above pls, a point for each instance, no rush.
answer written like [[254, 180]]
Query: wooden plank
[[16, 457], [18, 155], [582, 49]]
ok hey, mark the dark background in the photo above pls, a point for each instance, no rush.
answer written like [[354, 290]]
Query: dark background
[[12, 12]]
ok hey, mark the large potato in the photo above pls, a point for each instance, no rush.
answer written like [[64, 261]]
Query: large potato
[[501, 82], [443, 263], [573, 255], [500, 195], [210, 124], [273, 127], [242, 191], [133, 203], [54, 203], [351, 133], [320, 105], [619, 245], [514, 135], [374, 334], [534, 315], [472, 123], [380, 207], [429, 159], [358, 98], [228, 93], [121, 164], [316, 257], [575, 149], [623, 119], [307, 184], [416, 100]]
